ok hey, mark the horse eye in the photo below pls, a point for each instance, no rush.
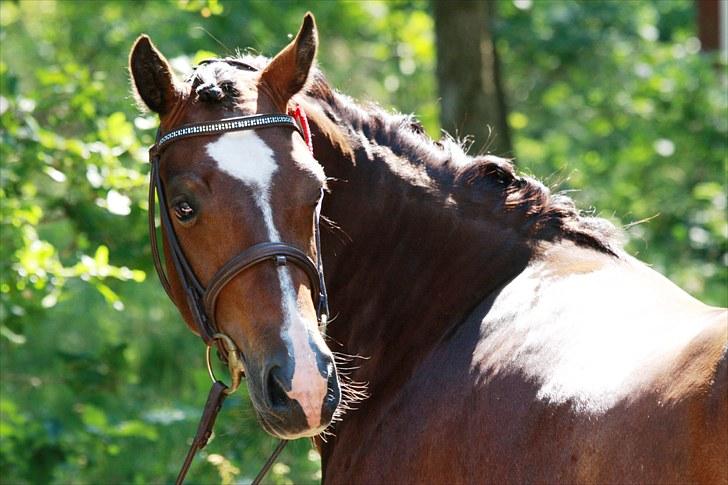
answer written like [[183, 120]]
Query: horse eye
[[184, 211]]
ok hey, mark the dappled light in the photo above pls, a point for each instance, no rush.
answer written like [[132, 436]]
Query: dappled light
[[612, 102]]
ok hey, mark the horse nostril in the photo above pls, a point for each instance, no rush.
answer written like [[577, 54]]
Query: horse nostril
[[277, 396]]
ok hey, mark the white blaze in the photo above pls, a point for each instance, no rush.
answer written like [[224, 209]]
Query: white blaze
[[245, 156]]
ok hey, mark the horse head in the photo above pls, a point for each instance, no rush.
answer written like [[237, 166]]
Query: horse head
[[225, 192]]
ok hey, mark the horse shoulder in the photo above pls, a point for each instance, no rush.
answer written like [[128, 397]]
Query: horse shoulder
[[551, 378], [627, 368], [694, 388], [592, 328]]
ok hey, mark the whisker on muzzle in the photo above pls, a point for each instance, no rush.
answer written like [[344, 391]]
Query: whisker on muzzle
[[352, 392]]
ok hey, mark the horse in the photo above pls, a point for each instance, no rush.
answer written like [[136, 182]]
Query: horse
[[502, 335]]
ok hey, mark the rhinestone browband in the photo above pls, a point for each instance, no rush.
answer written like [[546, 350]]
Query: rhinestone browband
[[237, 123]]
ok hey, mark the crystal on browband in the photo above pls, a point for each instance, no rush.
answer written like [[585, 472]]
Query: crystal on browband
[[230, 124]]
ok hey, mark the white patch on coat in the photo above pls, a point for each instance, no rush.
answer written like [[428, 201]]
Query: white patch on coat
[[591, 338], [246, 157]]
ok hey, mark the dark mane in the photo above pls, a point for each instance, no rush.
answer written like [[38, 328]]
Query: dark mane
[[480, 186], [484, 185], [525, 203]]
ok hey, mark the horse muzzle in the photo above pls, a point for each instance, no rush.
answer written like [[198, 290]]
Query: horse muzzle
[[294, 401]]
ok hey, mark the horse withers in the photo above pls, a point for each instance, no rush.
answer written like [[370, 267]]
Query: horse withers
[[502, 336]]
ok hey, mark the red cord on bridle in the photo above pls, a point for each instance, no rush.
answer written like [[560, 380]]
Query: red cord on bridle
[[300, 116]]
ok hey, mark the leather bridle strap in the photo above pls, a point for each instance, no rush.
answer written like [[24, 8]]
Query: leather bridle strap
[[156, 257], [279, 253], [215, 398], [269, 462], [193, 289], [225, 125], [201, 301]]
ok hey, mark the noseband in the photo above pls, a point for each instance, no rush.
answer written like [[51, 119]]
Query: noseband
[[202, 300]]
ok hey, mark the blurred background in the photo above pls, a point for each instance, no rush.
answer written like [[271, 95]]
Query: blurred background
[[621, 103]]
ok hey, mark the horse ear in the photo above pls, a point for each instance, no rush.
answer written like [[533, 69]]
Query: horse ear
[[152, 77], [288, 72]]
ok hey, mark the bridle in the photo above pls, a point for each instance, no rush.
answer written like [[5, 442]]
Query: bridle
[[202, 300]]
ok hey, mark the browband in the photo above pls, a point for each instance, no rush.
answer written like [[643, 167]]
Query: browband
[[237, 123]]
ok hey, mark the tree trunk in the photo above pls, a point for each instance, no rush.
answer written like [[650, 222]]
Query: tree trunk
[[472, 99], [711, 24]]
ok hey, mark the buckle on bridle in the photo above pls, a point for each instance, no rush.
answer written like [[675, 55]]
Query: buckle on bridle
[[234, 362]]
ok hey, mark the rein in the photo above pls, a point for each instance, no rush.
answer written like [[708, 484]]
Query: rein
[[202, 300]]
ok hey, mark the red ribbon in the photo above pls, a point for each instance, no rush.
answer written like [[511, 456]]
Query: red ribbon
[[300, 116]]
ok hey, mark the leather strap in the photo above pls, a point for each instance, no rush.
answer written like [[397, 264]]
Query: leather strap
[[215, 398], [203, 314], [202, 301], [156, 257], [279, 253], [213, 405], [271, 459], [237, 123]]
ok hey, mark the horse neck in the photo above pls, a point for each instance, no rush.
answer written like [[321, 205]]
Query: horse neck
[[404, 268]]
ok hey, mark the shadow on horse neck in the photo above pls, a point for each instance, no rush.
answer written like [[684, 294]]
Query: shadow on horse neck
[[502, 335], [420, 233]]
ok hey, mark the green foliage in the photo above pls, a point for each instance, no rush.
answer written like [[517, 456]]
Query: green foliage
[[617, 102], [102, 383]]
